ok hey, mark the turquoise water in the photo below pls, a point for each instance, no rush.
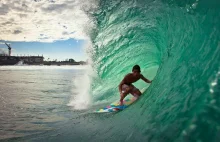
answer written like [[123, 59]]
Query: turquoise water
[[179, 41], [176, 43]]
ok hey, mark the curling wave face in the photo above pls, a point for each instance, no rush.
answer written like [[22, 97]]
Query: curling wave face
[[174, 40]]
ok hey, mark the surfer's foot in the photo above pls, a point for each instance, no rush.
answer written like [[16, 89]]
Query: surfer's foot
[[121, 103]]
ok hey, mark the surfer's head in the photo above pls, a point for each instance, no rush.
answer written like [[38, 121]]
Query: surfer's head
[[136, 70]]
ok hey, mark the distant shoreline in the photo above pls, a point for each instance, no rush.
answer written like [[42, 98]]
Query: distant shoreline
[[35, 60], [63, 63]]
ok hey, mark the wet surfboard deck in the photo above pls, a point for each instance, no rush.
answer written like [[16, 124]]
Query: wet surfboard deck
[[115, 106]]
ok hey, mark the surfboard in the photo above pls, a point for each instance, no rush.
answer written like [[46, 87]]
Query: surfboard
[[114, 107]]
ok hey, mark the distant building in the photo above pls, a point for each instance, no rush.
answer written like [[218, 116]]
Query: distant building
[[12, 60], [8, 60], [32, 59]]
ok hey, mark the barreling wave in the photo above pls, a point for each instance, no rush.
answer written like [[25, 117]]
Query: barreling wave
[[177, 44]]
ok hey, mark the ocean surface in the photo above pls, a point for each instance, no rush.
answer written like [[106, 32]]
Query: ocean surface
[[36, 99], [177, 45]]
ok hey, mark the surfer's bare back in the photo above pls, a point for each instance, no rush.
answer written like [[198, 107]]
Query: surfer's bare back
[[126, 86]]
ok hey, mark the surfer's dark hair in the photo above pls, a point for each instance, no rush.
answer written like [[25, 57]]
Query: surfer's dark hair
[[136, 67]]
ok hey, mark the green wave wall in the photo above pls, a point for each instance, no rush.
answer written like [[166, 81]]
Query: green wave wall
[[177, 44]]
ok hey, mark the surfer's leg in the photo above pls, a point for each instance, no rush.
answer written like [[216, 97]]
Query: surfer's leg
[[135, 92], [125, 91], [122, 98]]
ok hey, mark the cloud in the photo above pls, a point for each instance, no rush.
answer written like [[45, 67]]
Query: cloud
[[28, 20], [17, 32]]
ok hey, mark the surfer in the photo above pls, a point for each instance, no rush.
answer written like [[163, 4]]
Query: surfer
[[126, 86]]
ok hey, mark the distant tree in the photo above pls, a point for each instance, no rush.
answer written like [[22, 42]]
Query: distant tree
[[71, 60]]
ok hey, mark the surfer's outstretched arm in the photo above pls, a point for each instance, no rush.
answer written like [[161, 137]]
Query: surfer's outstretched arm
[[145, 79]]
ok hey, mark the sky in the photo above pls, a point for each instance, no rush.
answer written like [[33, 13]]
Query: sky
[[60, 50], [58, 29]]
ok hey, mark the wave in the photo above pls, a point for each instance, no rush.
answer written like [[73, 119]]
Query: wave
[[176, 44]]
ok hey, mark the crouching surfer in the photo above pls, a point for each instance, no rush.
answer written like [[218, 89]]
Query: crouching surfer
[[126, 86]]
